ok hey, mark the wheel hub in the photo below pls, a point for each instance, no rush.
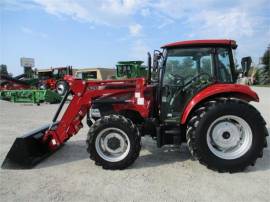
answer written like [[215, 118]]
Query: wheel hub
[[226, 135], [60, 88], [112, 144], [229, 137]]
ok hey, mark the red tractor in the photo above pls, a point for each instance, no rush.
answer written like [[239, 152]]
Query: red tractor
[[54, 79], [190, 97]]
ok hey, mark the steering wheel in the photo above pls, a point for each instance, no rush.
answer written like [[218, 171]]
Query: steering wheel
[[185, 85], [197, 76], [177, 78]]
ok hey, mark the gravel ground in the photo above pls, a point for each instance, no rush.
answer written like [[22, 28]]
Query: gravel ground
[[166, 174]]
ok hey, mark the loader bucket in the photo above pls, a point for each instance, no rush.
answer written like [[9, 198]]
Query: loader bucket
[[28, 150]]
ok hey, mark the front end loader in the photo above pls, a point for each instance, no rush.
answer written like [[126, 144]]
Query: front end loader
[[190, 97], [33, 147]]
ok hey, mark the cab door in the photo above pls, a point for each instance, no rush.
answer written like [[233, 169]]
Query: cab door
[[187, 71]]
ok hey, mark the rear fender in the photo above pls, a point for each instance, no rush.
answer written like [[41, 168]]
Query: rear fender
[[233, 90]]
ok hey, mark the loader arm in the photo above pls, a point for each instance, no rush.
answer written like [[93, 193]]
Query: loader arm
[[83, 93]]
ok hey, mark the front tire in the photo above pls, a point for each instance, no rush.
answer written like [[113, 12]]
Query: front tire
[[61, 87], [114, 142], [226, 135]]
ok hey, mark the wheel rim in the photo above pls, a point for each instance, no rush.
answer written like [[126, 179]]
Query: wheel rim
[[42, 87], [112, 144], [229, 137], [60, 89]]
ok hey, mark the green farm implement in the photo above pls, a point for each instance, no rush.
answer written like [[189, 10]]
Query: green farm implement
[[30, 96], [23, 88], [131, 69]]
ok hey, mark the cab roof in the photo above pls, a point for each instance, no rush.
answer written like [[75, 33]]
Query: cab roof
[[211, 42], [94, 69]]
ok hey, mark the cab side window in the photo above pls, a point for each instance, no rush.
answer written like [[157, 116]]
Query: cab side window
[[206, 64], [224, 65]]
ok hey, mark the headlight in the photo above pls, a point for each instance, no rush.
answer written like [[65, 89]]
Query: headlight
[[95, 112]]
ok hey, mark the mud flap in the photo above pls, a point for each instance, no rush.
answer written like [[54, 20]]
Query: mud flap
[[28, 150]]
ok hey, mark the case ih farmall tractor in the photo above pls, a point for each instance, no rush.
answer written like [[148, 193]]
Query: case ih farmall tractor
[[53, 79], [192, 98]]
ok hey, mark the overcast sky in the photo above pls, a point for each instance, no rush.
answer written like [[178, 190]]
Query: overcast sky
[[90, 33]]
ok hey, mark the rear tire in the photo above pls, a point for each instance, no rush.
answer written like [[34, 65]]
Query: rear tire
[[226, 135], [114, 142]]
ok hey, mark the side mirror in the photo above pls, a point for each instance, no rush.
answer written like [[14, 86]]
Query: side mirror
[[157, 56], [246, 64], [149, 59]]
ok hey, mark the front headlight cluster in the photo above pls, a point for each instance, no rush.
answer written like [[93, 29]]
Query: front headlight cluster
[[95, 113]]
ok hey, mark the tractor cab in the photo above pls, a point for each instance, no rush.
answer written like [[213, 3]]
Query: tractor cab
[[95, 74], [185, 68], [44, 74], [60, 72], [130, 69]]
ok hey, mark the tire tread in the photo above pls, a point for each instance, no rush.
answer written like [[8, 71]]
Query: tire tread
[[107, 120], [192, 135]]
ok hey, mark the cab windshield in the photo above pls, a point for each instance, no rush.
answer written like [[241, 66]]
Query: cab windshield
[[186, 65], [123, 70], [182, 65]]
